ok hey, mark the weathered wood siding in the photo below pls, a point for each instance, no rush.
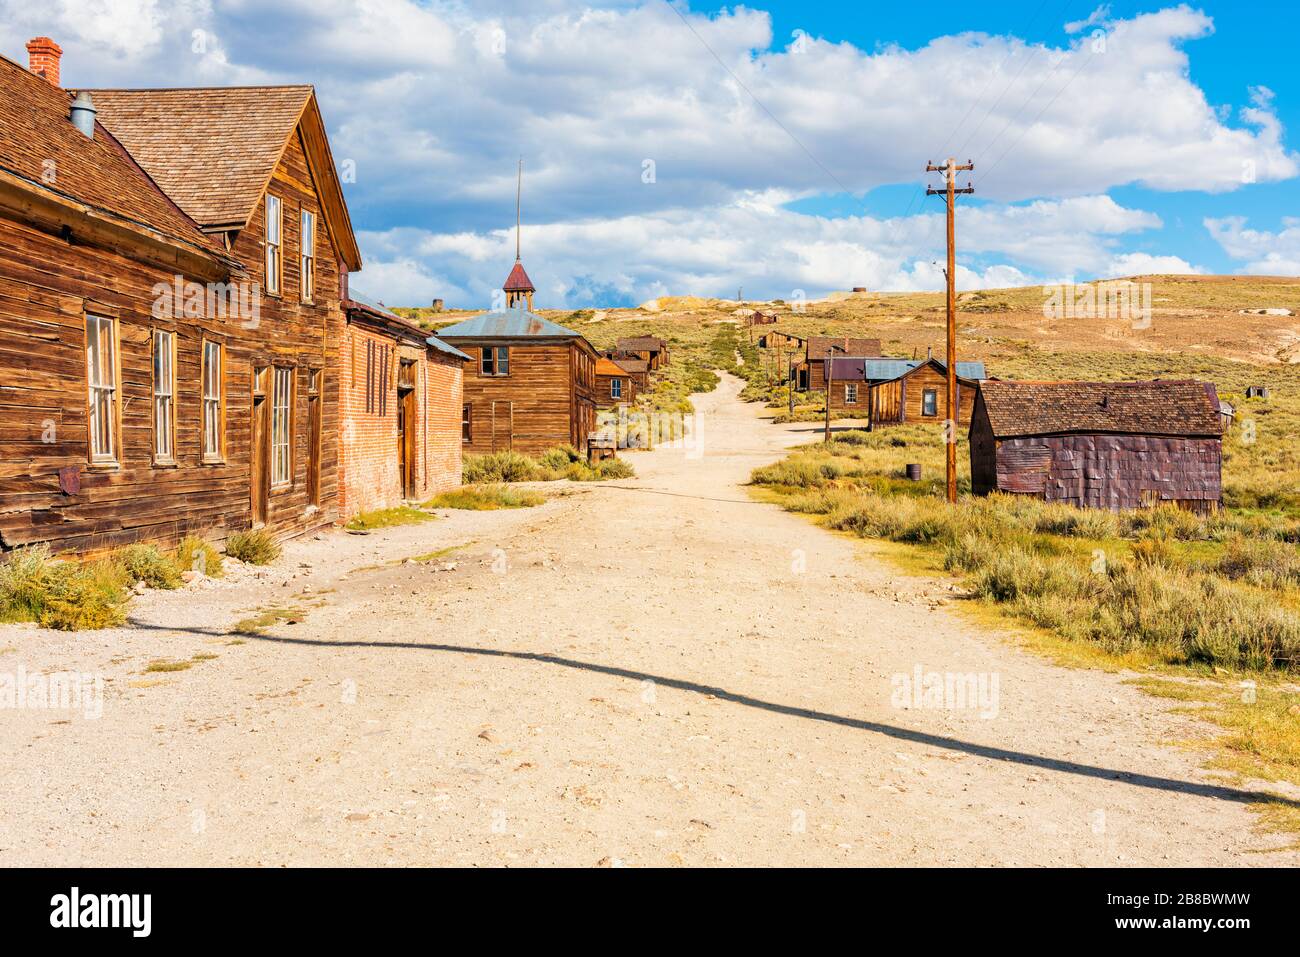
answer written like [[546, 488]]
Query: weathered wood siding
[[47, 287], [532, 409], [983, 451], [1113, 471], [292, 333], [604, 397]]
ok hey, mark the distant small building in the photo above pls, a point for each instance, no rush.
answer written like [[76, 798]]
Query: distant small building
[[1112, 445], [893, 391], [637, 369], [782, 340], [614, 385], [650, 348], [812, 374], [1256, 392]]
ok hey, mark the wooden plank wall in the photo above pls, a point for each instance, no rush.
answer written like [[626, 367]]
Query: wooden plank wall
[[46, 287], [294, 333], [539, 389]]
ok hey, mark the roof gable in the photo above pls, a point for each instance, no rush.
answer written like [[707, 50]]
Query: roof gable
[[214, 149], [1159, 407], [819, 346], [99, 173]]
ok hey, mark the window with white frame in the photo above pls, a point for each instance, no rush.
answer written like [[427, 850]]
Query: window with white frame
[[274, 253], [213, 377], [282, 427], [850, 393], [164, 396], [308, 264], [101, 379], [616, 388]]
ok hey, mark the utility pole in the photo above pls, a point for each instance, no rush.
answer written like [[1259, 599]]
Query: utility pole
[[830, 381], [950, 193]]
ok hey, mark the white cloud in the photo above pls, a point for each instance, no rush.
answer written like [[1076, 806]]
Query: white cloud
[[768, 251], [1265, 253]]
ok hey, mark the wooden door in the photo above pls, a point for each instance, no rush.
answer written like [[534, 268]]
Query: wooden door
[[406, 427], [503, 425], [314, 385], [260, 457]]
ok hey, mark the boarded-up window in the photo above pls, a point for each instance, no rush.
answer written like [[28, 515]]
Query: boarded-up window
[[101, 378], [308, 258], [282, 428], [378, 359], [213, 360], [164, 396], [274, 252]]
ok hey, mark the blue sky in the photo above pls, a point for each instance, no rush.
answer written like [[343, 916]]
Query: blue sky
[[696, 148]]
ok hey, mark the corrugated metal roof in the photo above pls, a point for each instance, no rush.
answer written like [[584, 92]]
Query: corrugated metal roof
[[441, 346], [883, 370], [515, 323]]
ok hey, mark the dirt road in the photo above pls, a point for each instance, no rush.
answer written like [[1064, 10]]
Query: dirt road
[[658, 671]]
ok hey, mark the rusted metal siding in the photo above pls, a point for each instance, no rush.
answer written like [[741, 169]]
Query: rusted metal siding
[[1113, 471]]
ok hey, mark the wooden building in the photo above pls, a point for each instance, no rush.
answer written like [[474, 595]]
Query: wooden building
[[784, 341], [652, 349], [810, 375], [529, 384], [1112, 445], [637, 369], [116, 410], [252, 166], [401, 410], [893, 391], [614, 385]]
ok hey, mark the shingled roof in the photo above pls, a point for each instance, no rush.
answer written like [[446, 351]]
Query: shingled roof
[[642, 344], [213, 149], [95, 172], [819, 346], [1159, 407]]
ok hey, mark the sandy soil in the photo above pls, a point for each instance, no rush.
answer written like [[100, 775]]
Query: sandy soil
[[658, 671]]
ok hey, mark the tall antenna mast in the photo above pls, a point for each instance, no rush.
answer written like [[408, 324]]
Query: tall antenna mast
[[519, 195]]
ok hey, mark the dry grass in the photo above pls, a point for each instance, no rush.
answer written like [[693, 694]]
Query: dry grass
[[486, 498]]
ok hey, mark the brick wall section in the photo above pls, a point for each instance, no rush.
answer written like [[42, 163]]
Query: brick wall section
[[369, 458]]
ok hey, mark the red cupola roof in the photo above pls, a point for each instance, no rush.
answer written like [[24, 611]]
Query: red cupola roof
[[518, 280]]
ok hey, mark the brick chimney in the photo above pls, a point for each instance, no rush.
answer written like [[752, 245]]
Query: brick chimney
[[43, 58]]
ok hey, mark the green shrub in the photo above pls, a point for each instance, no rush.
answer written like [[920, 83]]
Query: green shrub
[[389, 518], [615, 468], [254, 547], [145, 563], [558, 458], [194, 554], [497, 467], [24, 583], [487, 497], [67, 596]]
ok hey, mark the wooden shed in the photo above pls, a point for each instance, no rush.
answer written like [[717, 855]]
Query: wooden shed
[[650, 348], [893, 391], [1112, 445], [785, 341], [530, 384]]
